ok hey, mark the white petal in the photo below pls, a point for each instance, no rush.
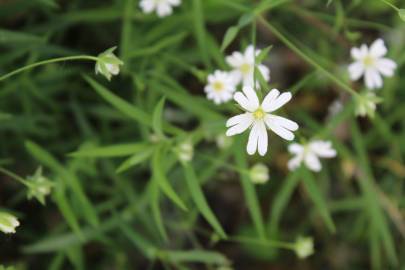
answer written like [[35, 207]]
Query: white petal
[[386, 66], [356, 70], [295, 162], [251, 95], [244, 102], [249, 55], [253, 139], [174, 2], [295, 148], [265, 71], [322, 149], [278, 102], [378, 49], [269, 99], [284, 122], [278, 128], [359, 53], [373, 78], [263, 140], [312, 162], [235, 60], [239, 124], [147, 6], [164, 9]]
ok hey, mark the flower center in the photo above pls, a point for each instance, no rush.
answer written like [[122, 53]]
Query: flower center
[[245, 68], [259, 114], [218, 86], [369, 61]]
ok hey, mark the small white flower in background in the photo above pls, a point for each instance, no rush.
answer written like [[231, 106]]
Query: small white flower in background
[[8, 222], [223, 141], [366, 104], [244, 64], [220, 87], [163, 8], [310, 154], [39, 186], [304, 247], [185, 151], [108, 64], [258, 117], [371, 63], [259, 174], [335, 108]]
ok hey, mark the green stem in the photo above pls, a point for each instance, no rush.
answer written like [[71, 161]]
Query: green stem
[[14, 176], [306, 58], [267, 243], [391, 5], [54, 60]]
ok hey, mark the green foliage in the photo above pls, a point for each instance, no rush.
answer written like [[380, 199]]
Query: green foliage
[[134, 169]]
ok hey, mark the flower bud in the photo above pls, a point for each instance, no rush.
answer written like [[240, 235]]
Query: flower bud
[[304, 247], [185, 151], [108, 64], [366, 104], [259, 173], [39, 186], [8, 222]]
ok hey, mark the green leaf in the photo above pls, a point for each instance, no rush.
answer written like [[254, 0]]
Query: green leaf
[[135, 159], [230, 35], [317, 197], [249, 190], [70, 180], [401, 13], [156, 213], [263, 54], [200, 201], [196, 256], [117, 150], [159, 176], [157, 118], [126, 108], [245, 19]]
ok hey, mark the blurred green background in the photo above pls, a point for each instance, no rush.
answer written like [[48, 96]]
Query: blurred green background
[[98, 218]]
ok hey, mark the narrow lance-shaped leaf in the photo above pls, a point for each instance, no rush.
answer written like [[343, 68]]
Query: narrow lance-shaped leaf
[[316, 196], [157, 118], [199, 199]]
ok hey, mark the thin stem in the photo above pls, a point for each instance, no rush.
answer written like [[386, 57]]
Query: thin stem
[[268, 243], [391, 5], [308, 59], [54, 60], [14, 176]]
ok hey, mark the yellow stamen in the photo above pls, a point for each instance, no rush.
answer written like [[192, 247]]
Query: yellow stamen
[[245, 68], [259, 114], [369, 61], [218, 86]]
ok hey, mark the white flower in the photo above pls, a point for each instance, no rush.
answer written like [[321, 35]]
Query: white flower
[[258, 116], [259, 173], [185, 151], [108, 64], [335, 108], [243, 66], [304, 247], [366, 104], [371, 64], [220, 87], [162, 7], [8, 222], [310, 154]]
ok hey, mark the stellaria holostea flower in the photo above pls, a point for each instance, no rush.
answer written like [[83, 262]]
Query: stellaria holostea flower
[[108, 64], [366, 104], [310, 154], [259, 174], [304, 247], [8, 222], [243, 65], [371, 63], [220, 87], [258, 117], [163, 8]]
